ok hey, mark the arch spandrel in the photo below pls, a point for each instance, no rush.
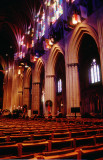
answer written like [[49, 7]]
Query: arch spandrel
[[74, 42]]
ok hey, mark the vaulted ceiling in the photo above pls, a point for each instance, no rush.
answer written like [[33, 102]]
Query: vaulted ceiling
[[15, 17]]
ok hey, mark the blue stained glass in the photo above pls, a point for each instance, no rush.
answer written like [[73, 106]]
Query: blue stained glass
[[60, 2]]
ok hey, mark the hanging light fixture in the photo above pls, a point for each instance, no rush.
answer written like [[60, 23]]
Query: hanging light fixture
[[48, 43], [76, 19], [33, 58]]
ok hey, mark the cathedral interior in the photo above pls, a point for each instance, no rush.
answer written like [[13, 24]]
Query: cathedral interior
[[51, 79]]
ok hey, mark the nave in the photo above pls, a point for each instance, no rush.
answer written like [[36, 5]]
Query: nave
[[59, 138]]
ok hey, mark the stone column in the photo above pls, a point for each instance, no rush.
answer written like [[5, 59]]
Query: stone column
[[20, 95], [26, 89], [36, 97], [8, 89], [69, 87], [20, 89], [73, 88], [100, 35], [26, 96], [5, 91], [77, 89], [50, 92], [14, 97]]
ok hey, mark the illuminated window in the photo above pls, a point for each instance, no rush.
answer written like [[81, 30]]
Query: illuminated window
[[59, 86], [55, 11], [40, 25], [94, 72]]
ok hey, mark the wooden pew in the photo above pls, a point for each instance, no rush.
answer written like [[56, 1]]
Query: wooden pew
[[60, 135], [8, 150], [3, 139], [71, 155], [19, 138], [99, 139], [28, 156], [7, 143], [41, 136], [84, 133], [56, 152], [86, 141], [90, 153], [34, 141], [22, 149], [34, 147], [58, 144]]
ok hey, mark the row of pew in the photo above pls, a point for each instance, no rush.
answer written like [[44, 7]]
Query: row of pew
[[50, 139], [54, 147]]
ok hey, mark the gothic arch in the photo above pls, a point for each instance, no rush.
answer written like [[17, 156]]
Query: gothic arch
[[27, 76], [26, 87], [51, 81], [37, 70], [72, 76], [74, 43], [56, 49], [37, 86]]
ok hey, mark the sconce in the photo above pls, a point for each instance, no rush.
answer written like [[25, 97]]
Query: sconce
[[48, 43], [76, 19], [33, 58], [19, 72]]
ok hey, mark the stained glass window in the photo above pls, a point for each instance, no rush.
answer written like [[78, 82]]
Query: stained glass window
[[55, 10], [40, 25], [94, 72], [59, 86]]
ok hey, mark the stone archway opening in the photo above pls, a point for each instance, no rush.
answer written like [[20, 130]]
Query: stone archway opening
[[60, 82], [90, 77]]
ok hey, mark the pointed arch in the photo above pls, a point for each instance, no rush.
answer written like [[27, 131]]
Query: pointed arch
[[37, 70], [74, 42], [55, 51], [27, 77]]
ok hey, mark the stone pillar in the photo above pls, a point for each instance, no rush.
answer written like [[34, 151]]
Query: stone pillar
[[36, 97], [50, 93], [69, 90], [26, 89], [7, 89], [20, 96], [20, 89], [100, 35], [73, 88], [26, 96], [14, 96]]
